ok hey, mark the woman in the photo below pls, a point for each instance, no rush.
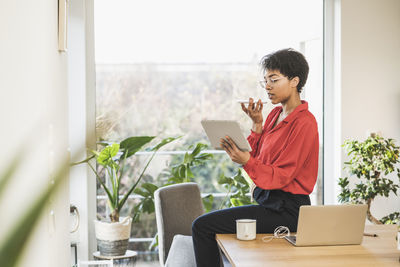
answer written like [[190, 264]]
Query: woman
[[283, 163]]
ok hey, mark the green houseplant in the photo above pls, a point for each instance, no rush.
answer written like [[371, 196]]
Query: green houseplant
[[370, 162], [179, 173], [237, 186], [112, 236]]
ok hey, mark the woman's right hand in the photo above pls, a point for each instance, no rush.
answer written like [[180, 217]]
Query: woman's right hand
[[254, 111]]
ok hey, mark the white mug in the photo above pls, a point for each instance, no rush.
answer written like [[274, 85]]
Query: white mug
[[246, 229]]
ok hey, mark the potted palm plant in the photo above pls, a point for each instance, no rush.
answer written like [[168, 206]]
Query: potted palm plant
[[113, 235]]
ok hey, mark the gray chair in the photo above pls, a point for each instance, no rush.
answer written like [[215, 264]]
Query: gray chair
[[176, 208]]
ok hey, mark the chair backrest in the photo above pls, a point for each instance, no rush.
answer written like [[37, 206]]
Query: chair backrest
[[99, 263], [176, 208]]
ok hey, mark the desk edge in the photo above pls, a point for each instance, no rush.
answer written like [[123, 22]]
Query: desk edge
[[225, 252]]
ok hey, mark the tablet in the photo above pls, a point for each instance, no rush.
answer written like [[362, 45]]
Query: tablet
[[218, 129]]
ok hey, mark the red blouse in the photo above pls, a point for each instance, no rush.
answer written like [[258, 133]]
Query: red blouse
[[285, 157]]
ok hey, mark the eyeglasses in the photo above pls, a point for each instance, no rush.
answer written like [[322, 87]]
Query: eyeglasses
[[269, 81]]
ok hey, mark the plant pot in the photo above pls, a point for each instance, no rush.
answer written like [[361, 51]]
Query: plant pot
[[112, 238]]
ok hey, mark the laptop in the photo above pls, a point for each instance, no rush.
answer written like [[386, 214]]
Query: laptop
[[330, 225]]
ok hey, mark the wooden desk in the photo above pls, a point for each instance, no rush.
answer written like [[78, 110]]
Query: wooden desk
[[373, 251]]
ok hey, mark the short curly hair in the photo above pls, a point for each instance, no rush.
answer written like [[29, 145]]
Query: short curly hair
[[289, 62]]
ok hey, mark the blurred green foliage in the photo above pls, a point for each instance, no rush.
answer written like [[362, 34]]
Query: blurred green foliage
[[13, 243]]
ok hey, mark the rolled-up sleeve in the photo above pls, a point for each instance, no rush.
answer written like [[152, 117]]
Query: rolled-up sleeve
[[254, 139]]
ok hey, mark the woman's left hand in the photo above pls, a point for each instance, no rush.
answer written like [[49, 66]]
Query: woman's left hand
[[234, 152]]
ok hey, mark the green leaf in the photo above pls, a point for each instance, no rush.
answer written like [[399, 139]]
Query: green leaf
[[109, 195], [131, 145], [392, 218], [135, 214], [246, 176], [148, 206], [154, 243], [85, 160], [188, 173], [199, 147], [125, 197], [141, 192], [188, 158], [150, 188], [5, 177], [225, 180], [204, 156], [182, 171], [240, 201], [175, 180], [235, 202], [208, 202], [240, 180], [164, 142], [103, 143], [106, 155]]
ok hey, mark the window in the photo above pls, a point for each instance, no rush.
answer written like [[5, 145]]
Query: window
[[162, 66]]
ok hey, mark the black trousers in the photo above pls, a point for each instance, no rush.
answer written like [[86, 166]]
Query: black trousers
[[276, 208]]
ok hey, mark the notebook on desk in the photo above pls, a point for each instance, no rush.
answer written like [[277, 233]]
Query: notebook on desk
[[330, 225]]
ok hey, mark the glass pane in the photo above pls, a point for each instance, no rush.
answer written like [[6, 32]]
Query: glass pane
[[163, 66], [205, 175], [157, 173], [172, 99]]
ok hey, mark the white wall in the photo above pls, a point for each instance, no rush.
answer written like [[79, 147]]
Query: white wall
[[33, 114], [370, 68]]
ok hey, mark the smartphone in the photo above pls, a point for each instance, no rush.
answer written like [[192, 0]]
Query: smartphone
[[247, 102]]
